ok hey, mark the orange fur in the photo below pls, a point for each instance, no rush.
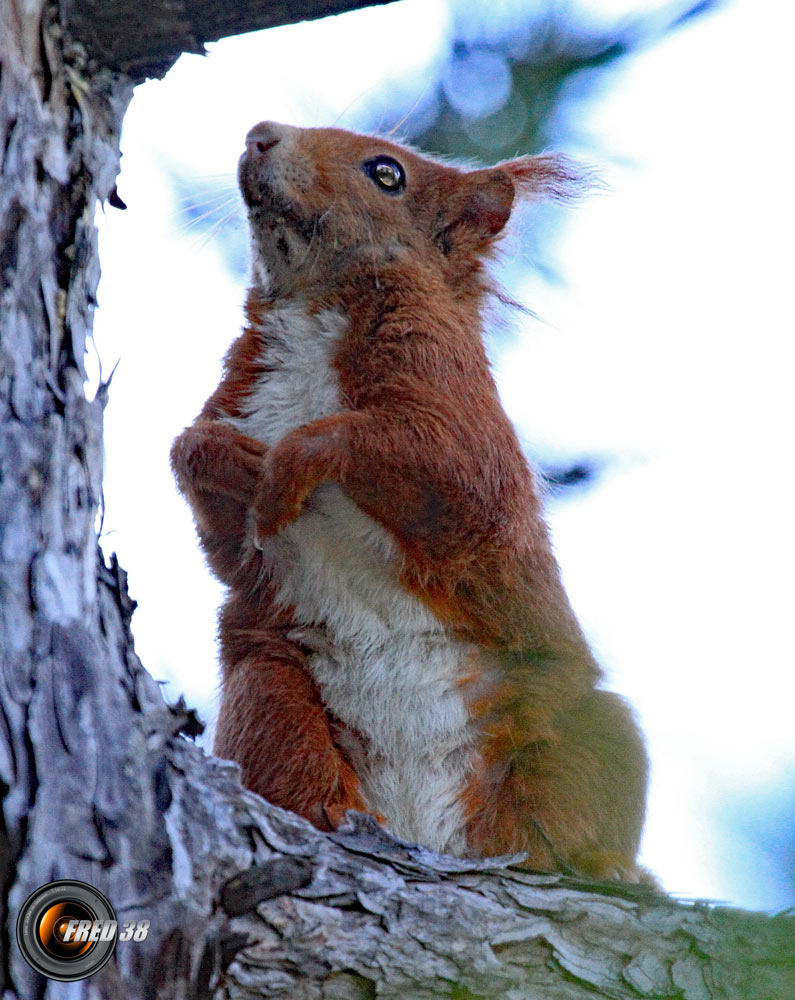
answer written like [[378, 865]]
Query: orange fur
[[423, 446], [274, 724]]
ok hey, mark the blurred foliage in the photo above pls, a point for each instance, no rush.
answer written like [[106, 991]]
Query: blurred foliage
[[501, 98]]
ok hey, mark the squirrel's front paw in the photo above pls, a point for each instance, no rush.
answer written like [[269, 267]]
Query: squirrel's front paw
[[284, 486], [212, 457]]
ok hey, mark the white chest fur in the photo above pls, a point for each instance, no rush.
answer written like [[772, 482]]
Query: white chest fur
[[383, 662]]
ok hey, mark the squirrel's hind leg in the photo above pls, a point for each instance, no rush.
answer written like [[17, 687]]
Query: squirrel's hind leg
[[573, 800], [273, 723]]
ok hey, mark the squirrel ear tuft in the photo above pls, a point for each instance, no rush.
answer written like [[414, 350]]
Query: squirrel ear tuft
[[481, 205], [551, 175]]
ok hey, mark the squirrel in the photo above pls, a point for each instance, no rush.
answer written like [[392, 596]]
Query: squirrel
[[396, 638]]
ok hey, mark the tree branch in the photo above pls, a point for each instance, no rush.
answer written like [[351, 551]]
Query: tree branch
[[145, 39], [377, 917]]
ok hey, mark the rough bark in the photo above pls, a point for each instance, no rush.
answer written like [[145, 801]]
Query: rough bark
[[97, 777]]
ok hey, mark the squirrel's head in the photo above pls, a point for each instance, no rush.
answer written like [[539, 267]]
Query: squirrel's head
[[324, 202]]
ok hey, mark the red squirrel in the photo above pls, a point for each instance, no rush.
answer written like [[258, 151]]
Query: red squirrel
[[396, 638]]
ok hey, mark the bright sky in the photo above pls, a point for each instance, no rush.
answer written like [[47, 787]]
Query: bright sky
[[667, 349]]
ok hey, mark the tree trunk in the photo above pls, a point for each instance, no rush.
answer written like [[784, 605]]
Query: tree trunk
[[97, 777]]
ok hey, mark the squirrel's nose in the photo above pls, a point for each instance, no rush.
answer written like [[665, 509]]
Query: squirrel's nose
[[262, 138]]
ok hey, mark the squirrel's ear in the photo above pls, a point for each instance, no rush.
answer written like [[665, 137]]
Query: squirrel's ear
[[481, 207], [551, 175], [490, 200], [475, 211]]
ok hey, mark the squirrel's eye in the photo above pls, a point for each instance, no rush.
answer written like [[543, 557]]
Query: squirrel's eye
[[386, 173]]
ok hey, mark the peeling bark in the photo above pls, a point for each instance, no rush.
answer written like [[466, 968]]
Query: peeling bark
[[98, 778]]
